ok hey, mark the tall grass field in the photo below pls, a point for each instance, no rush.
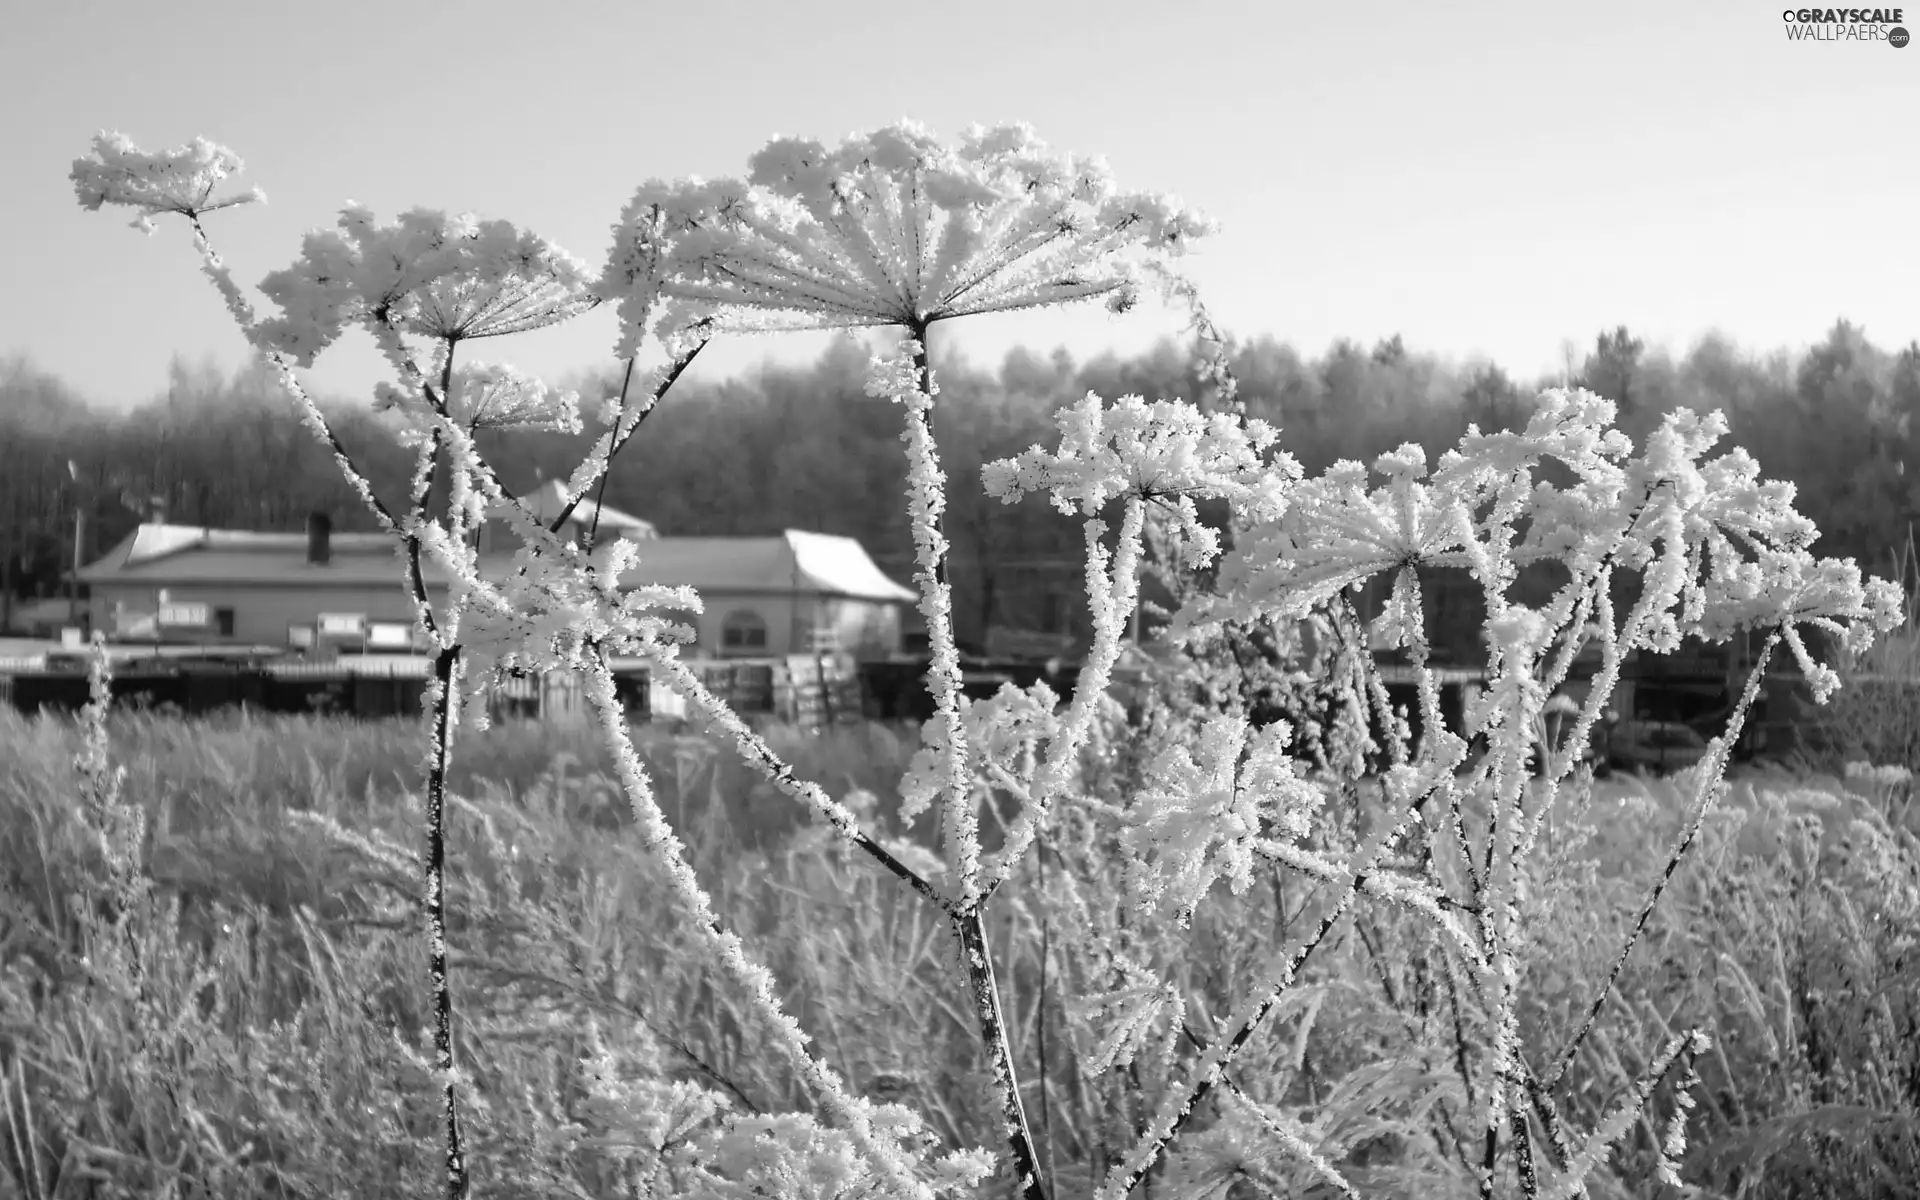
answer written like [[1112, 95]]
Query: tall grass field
[[276, 1045]]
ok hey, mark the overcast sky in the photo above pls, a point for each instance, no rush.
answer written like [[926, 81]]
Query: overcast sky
[[1485, 179]]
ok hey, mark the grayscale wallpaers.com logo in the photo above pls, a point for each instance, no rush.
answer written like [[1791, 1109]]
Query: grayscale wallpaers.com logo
[[1846, 25]]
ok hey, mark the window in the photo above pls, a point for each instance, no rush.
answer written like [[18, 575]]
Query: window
[[743, 632], [342, 625], [1056, 616], [389, 635], [223, 621]]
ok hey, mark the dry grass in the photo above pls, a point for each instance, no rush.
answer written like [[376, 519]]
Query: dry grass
[[286, 1053]]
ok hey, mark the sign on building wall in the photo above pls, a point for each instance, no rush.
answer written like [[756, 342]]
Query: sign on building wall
[[342, 624], [389, 635], [176, 614], [300, 637]]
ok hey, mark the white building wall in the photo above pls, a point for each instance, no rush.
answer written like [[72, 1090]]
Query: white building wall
[[261, 612]]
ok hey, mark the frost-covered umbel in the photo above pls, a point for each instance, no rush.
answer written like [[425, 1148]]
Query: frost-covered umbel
[[1718, 548], [181, 180], [487, 396], [891, 228], [1165, 452], [440, 277]]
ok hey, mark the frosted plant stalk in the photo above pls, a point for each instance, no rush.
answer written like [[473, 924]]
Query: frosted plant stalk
[[756, 982]]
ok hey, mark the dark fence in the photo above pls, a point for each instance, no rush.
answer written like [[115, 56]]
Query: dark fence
[[897, 691], [884, 691], [195, 690]]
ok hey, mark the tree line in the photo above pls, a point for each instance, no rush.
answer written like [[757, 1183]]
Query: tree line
[[804, 447]]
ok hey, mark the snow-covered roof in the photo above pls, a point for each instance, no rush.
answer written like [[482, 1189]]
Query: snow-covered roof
[[547, 501], [814, 564], [840, 564], [160, 553]]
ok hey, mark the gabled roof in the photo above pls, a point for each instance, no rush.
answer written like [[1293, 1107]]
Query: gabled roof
[[840, 565], [163, 554], [547, 501], [813, 564]]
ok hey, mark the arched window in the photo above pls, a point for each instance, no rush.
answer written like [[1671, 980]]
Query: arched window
[[743, 632]]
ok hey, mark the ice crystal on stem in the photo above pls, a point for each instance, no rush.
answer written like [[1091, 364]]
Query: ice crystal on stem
[[1166, 454], [1141, 1014], [905, 379], [1203, 808], [877, 1149], [1002, 732], [485, 396]]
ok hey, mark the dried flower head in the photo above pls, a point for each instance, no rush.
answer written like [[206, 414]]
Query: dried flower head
[[486, 396], [894, 228], [181, 180], [1205, 806], [1166, 452], [428, 274], [1718, 549]]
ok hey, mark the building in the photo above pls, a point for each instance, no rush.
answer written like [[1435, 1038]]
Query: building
[[548, 501], [186, 584], [40, 618], [775, 596], [327, 592]]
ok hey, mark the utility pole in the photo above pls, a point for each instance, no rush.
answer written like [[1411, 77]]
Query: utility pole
[[79, 550], [79, 544]]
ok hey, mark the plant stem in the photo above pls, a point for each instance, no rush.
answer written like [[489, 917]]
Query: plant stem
[[977, 956], [672, 375], [445, 669], [1712, 770], [943, 679], [444, 666]]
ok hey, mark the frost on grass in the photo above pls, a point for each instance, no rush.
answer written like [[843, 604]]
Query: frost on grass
[[682, 1139]]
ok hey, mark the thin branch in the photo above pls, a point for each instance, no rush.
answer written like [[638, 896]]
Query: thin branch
[[1710, 771], [977, 956], [1293, 1142], [600, 501], [445, 664], [759, 755], [1178, 1109]]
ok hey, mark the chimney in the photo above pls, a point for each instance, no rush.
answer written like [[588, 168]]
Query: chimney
[[319, 539]]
